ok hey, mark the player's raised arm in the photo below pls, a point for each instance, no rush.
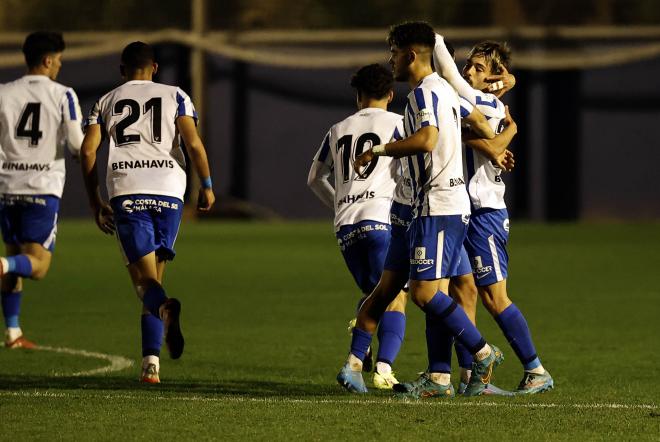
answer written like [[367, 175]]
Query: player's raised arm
[[188, 131], [477, 121], [319, 174], [446, 66], [101, 209]]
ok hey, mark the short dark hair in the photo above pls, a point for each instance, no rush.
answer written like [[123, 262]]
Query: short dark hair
[[137, 55], [495, 53], [411, 33], [374, 81], [39, 44]]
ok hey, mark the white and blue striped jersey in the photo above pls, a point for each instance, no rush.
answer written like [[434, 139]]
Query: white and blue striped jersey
[[38, 119], [403, 193], [437, 176], [485, 184], [360, 199], [145, 148]]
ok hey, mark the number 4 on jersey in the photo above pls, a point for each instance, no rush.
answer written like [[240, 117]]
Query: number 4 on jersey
[[28, 124]]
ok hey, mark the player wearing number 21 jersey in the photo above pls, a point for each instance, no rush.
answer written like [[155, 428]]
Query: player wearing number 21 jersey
[[146, 180], [39, 120]]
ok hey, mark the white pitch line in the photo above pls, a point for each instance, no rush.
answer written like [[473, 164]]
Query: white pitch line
[[275, 400], [117, 363]]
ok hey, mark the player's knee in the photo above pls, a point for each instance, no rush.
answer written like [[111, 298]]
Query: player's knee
[[399, 303]]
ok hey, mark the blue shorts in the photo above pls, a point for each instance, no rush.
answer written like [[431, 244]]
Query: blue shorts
[[364, 246], [145, 224], [486, 241], [29, 219], [398, 255], [435, 246], [464, 267]]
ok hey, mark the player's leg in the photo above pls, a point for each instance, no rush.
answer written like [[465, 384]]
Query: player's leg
[[11, 295], [435, 251], [463, 290], [486, 243]]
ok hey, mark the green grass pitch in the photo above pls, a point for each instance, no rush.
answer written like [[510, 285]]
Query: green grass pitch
[[265, 310]]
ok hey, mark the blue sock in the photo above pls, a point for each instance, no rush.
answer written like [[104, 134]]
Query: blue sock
[[153, 298], [464, 357], [11, 307], [438, 344], [152, 335], [455, 319], [19, 265], [515, 328], [391, 330], [360, 343]]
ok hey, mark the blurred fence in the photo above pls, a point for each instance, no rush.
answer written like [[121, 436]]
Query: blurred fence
[[587, 101]]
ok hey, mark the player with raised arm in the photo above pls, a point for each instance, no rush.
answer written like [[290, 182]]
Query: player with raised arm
[[38, 119], [441, 213], [146, 123], [489, 225], [362, 203]]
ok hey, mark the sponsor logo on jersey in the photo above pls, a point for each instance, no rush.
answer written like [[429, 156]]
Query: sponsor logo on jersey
[[143, 164], [26, 167], [140, 204], [349, 199], [479, 269], [453, 182], [422, 116]]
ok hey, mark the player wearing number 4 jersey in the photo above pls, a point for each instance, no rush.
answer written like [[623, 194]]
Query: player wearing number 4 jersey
[[39, 118], [362, 204], [146, 180]]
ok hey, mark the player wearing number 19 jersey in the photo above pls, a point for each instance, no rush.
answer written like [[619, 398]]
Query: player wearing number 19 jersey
[[39, 119], [362, 203], [146, 180]]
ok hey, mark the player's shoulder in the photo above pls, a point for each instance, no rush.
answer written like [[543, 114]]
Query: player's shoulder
[[489, 102]]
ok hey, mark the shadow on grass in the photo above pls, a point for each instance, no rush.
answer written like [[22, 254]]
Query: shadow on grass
[[234, 387]]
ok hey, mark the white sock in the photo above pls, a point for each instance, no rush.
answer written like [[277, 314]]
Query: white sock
[[383, 367], [465, 375], [13, 333], [537, 370], [483, 353], [151, 359], [440, 378], [354, 362]]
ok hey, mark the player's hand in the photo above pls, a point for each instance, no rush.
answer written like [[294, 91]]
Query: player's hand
[[501, 84], [505, 161], [361, 161], [105, 219], [205, 200]]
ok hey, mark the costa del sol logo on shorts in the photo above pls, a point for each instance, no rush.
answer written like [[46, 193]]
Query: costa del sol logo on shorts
[[127, 205], [420, 252]]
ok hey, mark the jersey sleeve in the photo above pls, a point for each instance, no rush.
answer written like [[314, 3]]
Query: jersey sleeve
[[444, 64], [466, 107], [71, 107], [72, 121], [185, 106], [323, 154], [398, 132], [423, 104], [94, 116]]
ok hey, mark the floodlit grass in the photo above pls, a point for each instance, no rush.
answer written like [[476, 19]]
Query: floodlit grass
[[265, 308]]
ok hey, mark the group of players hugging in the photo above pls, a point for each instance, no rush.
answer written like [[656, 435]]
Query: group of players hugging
[[411, 223], [408, 221]]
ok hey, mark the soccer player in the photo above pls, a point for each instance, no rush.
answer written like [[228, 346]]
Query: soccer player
[[362, 203], [489, 224], [441, 213], [146, 180], [38, 118]]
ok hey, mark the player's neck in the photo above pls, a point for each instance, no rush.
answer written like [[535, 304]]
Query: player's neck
[[40, 70], [370, 102], [418, 75]]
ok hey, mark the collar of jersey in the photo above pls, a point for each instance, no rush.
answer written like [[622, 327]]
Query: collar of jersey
[[138, 81], [36, 77]]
